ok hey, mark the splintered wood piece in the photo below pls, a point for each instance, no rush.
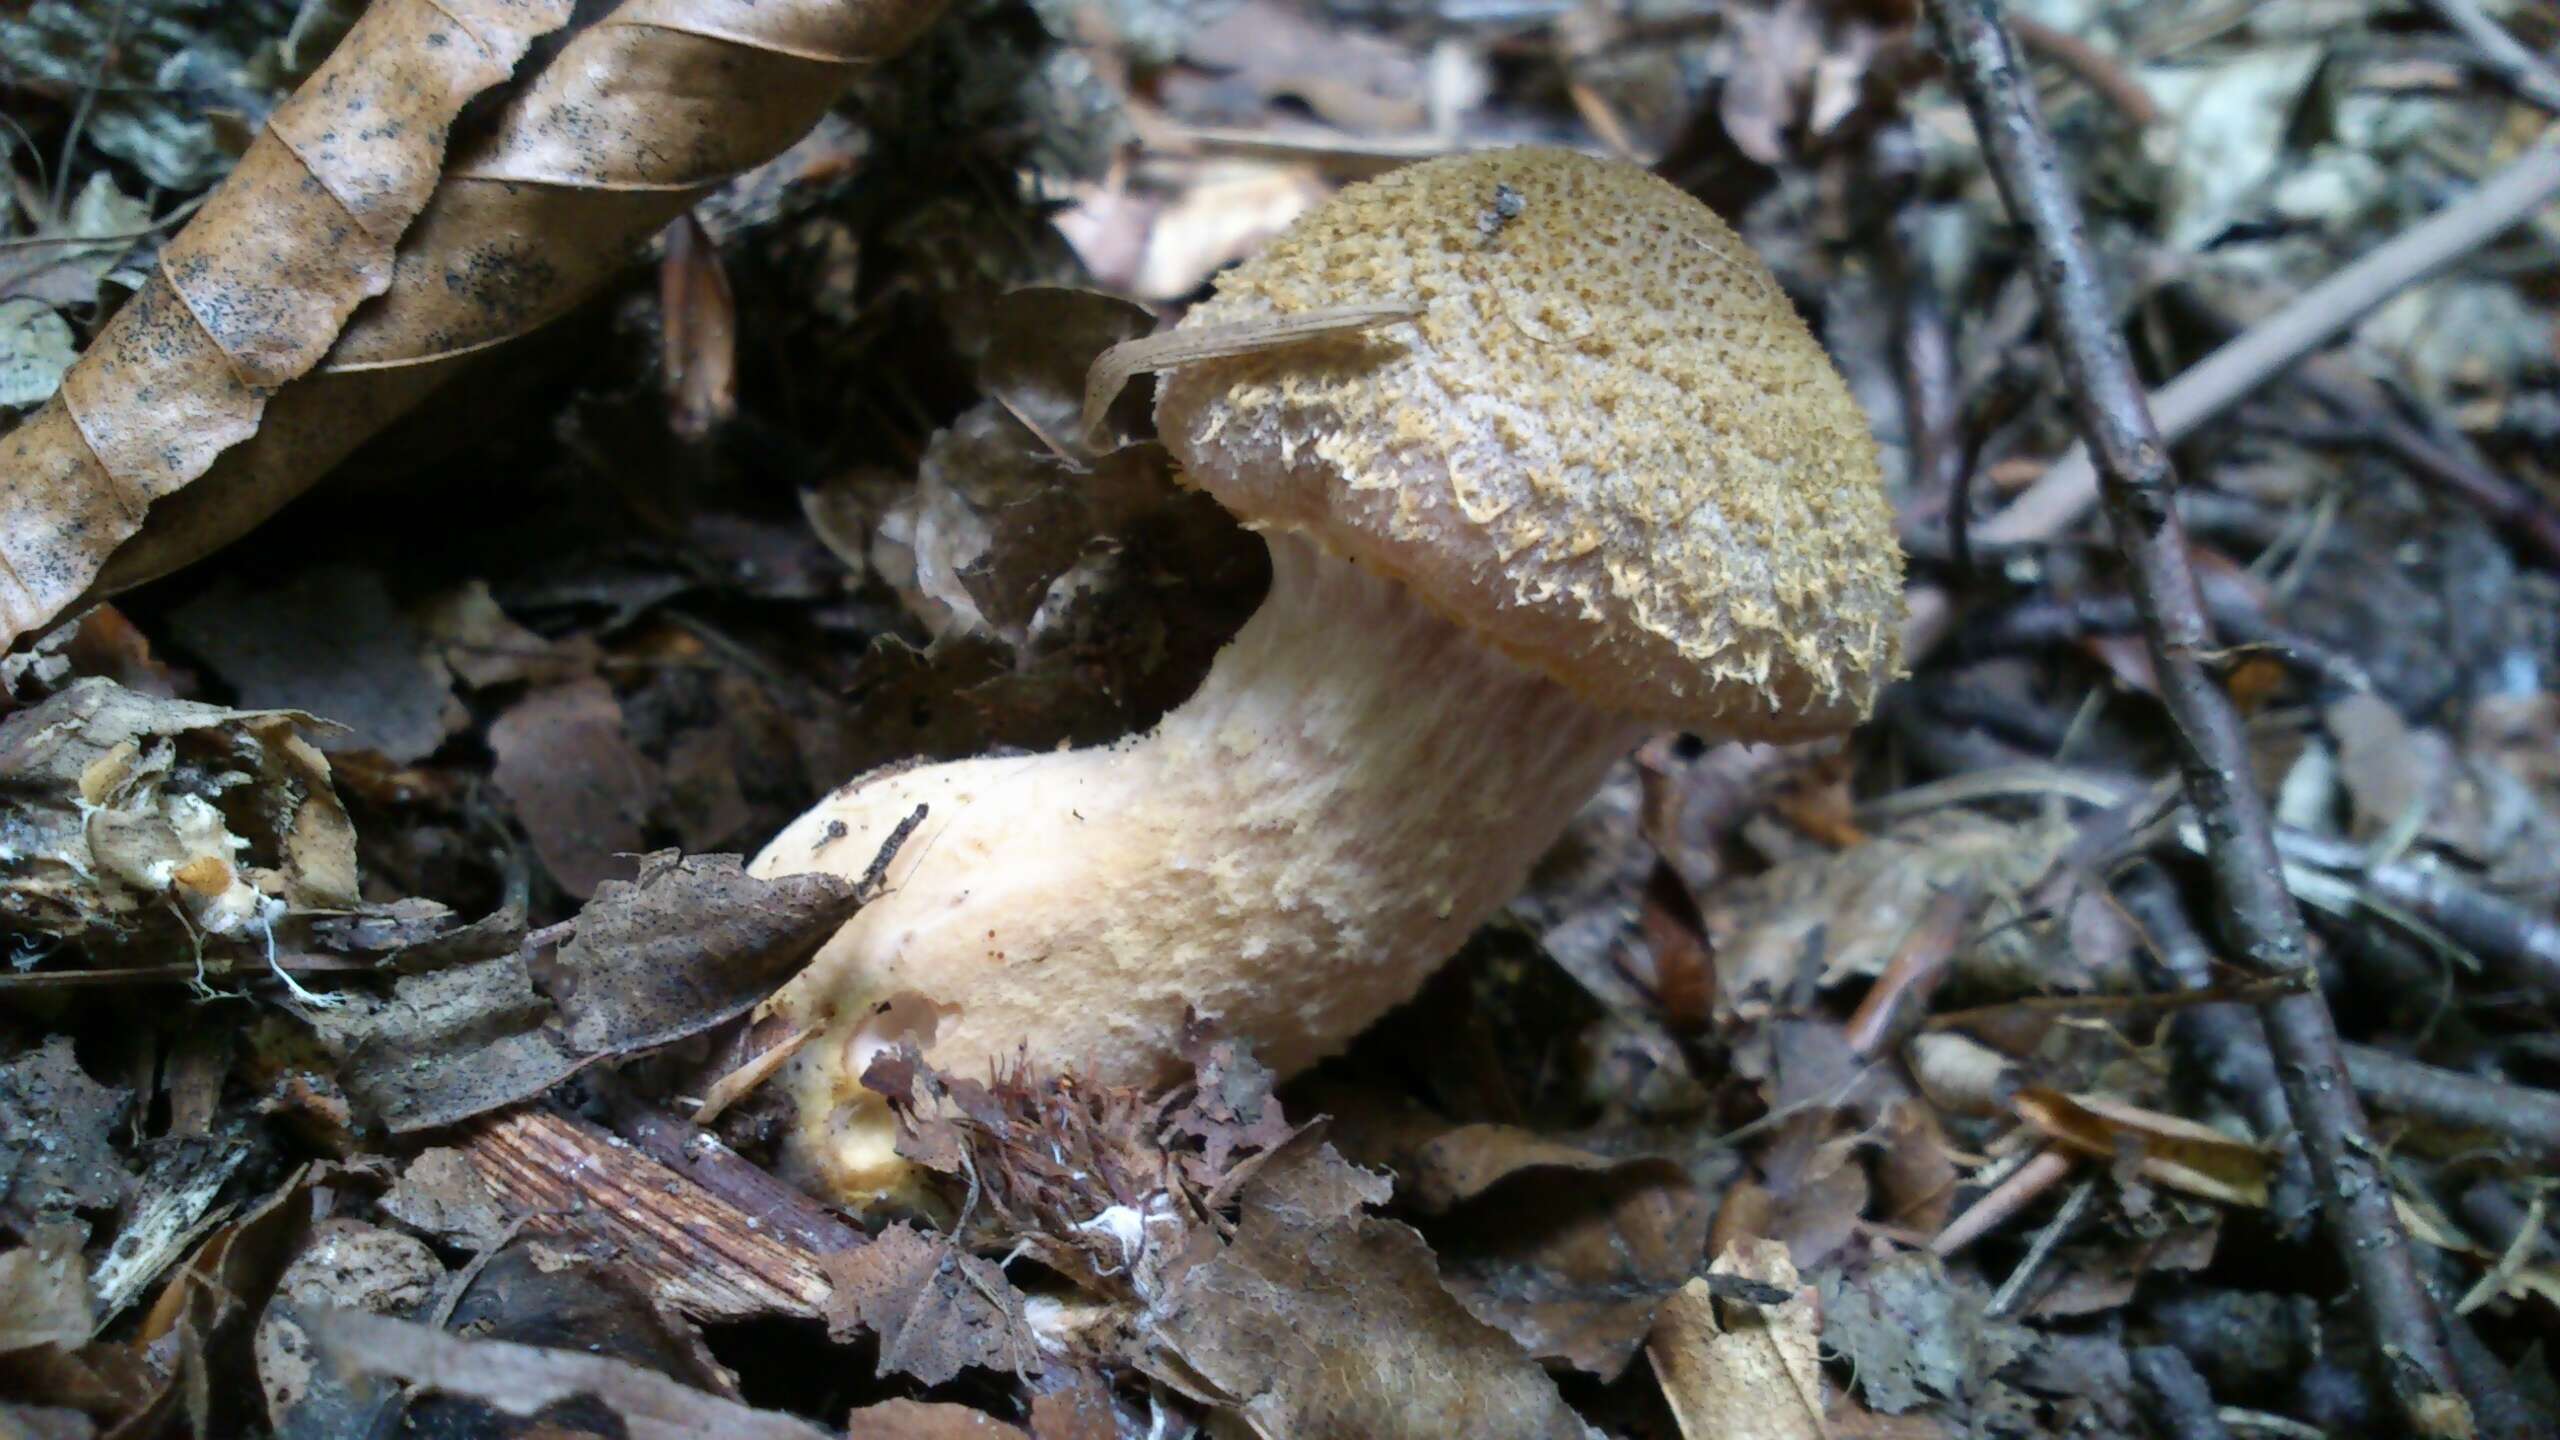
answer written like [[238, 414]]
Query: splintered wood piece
[[705, 1256]]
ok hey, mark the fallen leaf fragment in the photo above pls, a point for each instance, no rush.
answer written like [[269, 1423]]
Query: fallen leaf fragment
[[57, 1137], [44, 1291], [925, 1420], [581, 788], [524, 1380], [329, 641], [1915, 1335], [1319, 1321], [1742, 1371], [936, 1308], [2168, 1151], [691, 943]]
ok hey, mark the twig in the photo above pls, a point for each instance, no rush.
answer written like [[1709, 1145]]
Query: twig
[[2040, 1250], [2501, 53], [2225, 1042], [2529, 517], [2258, 913], [2531, 1118], [2065, 492], [2521, 946], [2094, 67], [2049, 1167], [2180, 1402]]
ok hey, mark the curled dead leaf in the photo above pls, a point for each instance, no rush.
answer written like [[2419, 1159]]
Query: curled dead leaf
[[2177, 1154]]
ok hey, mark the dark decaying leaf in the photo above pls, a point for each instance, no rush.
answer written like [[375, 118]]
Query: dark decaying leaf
[[1567, 1251], [580, 787], [347, 1264], [57, 1128], [1318, 1320], [691, 943], [330, 641], [528, 1380], [450, 1044], [1914, 1335], [937, 1308]]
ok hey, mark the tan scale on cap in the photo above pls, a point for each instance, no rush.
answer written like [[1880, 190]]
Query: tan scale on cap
[[1608, 422]]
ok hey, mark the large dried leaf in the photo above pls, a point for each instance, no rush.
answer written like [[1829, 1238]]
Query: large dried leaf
[[252, 293], [208, 402], [1567, 1251]]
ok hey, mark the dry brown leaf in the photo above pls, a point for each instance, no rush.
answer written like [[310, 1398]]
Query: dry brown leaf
[[251, 294], [198, 413], [44, 1291], [2168, 1151], [525, 1379], [578, 784], [1753, 1372], [1567, 1251], [1319, 1321], [463, 1040], [937, 1308]]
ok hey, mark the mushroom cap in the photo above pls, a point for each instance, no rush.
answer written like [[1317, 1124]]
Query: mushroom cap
[[1608, 444]]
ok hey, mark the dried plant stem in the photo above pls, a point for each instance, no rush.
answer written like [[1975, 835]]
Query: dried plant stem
[[2530, 1118], [2524, 72], [2135, 480], [2319, 315]]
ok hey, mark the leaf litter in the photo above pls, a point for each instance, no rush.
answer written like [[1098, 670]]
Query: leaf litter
[[1865, 1089]]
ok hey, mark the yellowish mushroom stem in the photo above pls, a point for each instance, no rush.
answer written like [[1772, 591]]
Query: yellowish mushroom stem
[[1358, 783]]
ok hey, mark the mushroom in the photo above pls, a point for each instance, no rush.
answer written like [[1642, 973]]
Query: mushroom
[[1604, 482]]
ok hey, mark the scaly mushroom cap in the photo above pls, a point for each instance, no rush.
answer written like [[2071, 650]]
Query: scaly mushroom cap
[[1608, 443]]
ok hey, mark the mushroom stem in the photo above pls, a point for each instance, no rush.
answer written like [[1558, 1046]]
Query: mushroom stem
[[1357, 784]]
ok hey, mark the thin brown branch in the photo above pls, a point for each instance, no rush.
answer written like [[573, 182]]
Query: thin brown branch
[[2135, 482], [2318, 316], [2094, 67]]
